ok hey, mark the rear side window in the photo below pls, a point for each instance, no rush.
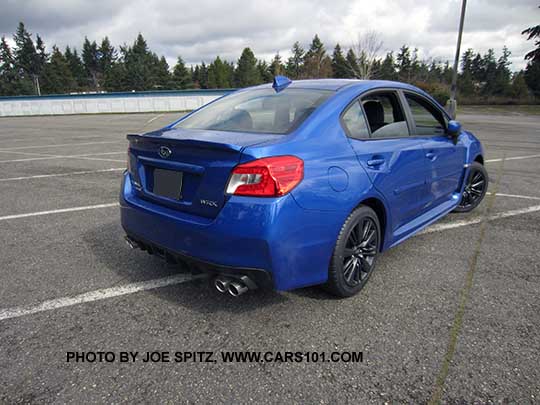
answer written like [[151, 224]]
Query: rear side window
[[258, 110], [385, 115], [355, 122], [428, 120]]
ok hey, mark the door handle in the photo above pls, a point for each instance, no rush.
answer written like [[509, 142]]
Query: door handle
[[431, 155], [375, 162]]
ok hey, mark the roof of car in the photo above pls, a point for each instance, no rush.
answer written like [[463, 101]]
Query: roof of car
[[338, 84]]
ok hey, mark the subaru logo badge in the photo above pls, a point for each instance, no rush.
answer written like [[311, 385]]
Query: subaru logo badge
[[164, 152]]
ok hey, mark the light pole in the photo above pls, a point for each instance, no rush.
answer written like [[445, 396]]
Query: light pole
[[452, 103]]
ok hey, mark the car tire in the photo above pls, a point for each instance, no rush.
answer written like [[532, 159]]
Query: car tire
[[475, 188], [355, 253]]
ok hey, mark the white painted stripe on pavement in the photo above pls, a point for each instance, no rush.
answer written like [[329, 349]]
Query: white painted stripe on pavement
[[58, 211], [459, 224], [86, 156], [512, 158], [42, 176], [526, 197], [96, 295], [155, 118], [60, 145]]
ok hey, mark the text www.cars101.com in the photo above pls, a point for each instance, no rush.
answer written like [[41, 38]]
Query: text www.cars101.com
[[214, 357]]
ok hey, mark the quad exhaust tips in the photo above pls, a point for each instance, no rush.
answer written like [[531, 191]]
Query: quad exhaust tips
[[233, 287]]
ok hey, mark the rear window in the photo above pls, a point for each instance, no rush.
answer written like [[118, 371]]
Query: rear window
[[260, 111]]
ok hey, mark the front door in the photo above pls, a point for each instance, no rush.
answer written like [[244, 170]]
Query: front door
[[445, 159]]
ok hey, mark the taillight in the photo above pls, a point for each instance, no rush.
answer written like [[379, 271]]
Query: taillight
[[267, 177]]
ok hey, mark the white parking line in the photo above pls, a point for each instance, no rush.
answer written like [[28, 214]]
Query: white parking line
[[96, 295], [525, 197], [60, 145], [86, 156], [512, 158], [42, 176], [459, 224], [58, 211], [155, 118]]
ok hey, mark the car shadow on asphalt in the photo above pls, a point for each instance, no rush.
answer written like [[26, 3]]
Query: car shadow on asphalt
[[107, 244]]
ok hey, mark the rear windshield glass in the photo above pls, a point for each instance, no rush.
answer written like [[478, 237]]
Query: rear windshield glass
[[261, 110]]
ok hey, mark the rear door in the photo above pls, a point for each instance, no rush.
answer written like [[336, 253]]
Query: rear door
[[393, 159], [444, 159]]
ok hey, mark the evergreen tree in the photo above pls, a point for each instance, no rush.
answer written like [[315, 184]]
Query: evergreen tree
[[27, 60], [90, 58], [490, 71], [57, 77], [316, 63], [339, 63], [533, 33], [295, 63], [518, 87], [532, 71], [264, 72], [352, 63], [465, 83], [107, 55], [144, 70], [276, 67], [387, 70], [219, 74], [478, 71], [247, 73], [41, 55], [181, 77], [11, 84], [203, 76], [77, 68], [503, 75], [116, 77], [404, 64]]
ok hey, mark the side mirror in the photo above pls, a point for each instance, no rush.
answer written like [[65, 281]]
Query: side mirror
[[453, 130]]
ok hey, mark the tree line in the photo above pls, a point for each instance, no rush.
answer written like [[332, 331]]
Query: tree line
[[28, 68]]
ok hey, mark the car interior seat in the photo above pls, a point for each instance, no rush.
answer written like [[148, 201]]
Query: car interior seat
[[374, 114]]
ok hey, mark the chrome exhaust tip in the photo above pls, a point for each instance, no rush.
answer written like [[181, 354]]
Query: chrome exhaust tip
[[222, 284], [131, 243], [236, 289]]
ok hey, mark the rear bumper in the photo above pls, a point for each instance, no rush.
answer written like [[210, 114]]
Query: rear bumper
[[260, 277], [274, 239]]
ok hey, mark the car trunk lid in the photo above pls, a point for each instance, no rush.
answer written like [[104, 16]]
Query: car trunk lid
[[187, 170]]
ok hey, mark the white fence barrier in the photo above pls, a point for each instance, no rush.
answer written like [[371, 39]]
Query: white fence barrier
[[107, 103]]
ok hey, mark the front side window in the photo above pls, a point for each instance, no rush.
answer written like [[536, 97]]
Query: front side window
[[385, 115], [355, 122], [259, 111], [428, 120]]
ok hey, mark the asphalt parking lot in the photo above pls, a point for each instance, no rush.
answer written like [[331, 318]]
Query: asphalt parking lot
[[452, 314]]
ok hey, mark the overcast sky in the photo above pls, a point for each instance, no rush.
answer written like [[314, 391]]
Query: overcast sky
[[202, 29]]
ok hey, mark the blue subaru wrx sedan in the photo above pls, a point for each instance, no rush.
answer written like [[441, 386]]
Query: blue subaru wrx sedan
[[298, 183]]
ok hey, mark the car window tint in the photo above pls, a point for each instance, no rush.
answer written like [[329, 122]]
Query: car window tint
[[258, 111], [355, 122], [428, 120], [385, 115]]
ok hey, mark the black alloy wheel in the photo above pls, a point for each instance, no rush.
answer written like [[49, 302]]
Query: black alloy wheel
[[475, 188], [355, 253], [360, 251]]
